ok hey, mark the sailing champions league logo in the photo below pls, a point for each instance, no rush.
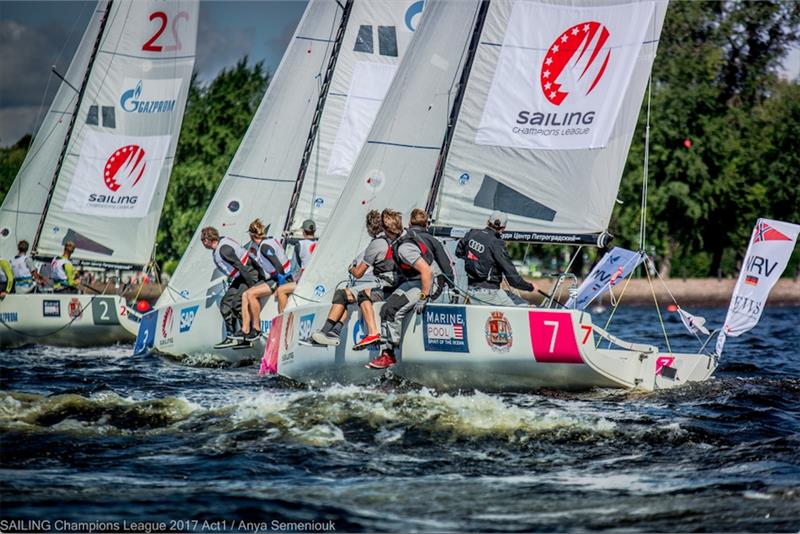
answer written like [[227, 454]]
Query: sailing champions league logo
[[575, 62], [124, 167], [166, 323]]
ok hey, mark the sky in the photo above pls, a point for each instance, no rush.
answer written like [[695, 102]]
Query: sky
[[37, 34]]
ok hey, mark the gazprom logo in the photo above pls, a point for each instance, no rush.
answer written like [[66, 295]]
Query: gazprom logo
[[187, 317], [159, 96]]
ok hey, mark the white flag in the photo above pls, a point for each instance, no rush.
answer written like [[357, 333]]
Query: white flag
[[767, 255], [615, 266], [693, 323]]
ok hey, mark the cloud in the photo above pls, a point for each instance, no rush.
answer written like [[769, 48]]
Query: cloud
[[219, 47], [16, 122]]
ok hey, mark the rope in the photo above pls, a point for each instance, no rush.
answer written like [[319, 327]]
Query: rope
[[658, 310], [663, 283], [614, 306]]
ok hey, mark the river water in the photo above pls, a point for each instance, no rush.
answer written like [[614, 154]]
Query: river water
[[97, 435]]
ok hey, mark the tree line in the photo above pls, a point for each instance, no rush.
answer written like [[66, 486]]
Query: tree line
[[723, 142]]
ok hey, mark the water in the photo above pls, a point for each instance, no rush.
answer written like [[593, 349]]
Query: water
[[97, 435]]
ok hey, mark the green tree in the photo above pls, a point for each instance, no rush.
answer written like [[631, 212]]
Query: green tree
[[11, 159]]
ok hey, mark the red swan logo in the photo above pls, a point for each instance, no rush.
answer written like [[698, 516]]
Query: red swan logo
[[166, 323], [124, 164], [575, 61]]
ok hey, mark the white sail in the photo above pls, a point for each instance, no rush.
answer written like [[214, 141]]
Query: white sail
[[111, 184], [396, 165], [552, 164], [23, 205], [377, 37], [261, 177]]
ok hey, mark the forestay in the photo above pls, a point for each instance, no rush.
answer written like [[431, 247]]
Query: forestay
[[377, 36], [111, 185], [548, 114], [261, 177], [395, 166], [23, 205]]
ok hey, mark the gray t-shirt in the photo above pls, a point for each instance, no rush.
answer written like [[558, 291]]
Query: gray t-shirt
[[376, 251], [409, 253]]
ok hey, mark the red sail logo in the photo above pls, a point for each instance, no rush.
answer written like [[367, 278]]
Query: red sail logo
[[126, 165], [575, 62]]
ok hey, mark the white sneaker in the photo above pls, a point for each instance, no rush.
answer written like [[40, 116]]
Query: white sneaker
[[325, 339]]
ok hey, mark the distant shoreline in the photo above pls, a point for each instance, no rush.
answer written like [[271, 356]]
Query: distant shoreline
[[697, 292]]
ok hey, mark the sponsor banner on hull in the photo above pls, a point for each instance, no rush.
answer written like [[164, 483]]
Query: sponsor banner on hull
[[187, 318], [147, 333], [116, 175], [445, 329], [562, 75]]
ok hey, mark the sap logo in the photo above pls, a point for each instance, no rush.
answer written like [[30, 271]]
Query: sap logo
[[306, 324], [130, 100], [319, 290], [762, 266], [477, 247], [318, 202], [414, 10], [575, 62], [187, 318]]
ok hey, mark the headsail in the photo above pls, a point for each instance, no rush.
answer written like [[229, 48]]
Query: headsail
[[548, 115], [395, 166], [111, 184], [23, 205]]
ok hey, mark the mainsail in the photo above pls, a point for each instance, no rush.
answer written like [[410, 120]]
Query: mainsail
[[23, 205], [110, 184], [562, 190], [307, 130]]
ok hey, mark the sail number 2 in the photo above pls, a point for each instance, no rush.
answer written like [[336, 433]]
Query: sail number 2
[[151, 46]]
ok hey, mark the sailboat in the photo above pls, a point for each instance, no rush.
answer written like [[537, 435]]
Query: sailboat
[[97, 171], [294, 159], [537, 103]]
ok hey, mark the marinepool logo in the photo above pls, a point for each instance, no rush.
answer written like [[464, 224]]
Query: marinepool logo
[[134, 101], [444, 329], [187, 318], [499, 335], [575, 62], [166, 323]]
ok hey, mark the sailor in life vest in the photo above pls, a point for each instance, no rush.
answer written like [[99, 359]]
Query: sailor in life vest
[[234, 262], [63, 272], [270, 256], [421, 261], [25, 273], [486, 261], [303, 249], [378, 257], [6, 278]]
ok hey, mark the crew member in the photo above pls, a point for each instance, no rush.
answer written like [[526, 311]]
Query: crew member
[[234, 262], [25, 272], [420, 259], [270, 256], [6, 278], [63, 272], [303, 250], [378, 257], [486, 261]]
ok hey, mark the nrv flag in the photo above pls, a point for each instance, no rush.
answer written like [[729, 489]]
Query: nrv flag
[[613, 268], [767, 255]]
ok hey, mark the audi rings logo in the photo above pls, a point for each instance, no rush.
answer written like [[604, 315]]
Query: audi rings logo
[[575, 62], [124, 167]]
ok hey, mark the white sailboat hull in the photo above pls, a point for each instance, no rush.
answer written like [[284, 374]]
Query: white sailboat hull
[[495, 349], [66, 320]]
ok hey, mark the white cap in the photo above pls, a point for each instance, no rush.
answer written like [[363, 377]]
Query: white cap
[[498, 219]]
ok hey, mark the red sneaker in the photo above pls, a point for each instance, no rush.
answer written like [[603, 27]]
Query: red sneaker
[[384, 361], [367, 341]]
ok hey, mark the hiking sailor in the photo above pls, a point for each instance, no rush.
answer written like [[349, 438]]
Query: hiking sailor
[[303, 249], [234, 262], [6, 278], [486, 261], [270, 256], [25, 273], [63, 272], [378, 257], [420, 259]]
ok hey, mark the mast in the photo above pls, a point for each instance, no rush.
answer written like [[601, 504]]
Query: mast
[[462, 86], [71, 127], [312, 134]]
